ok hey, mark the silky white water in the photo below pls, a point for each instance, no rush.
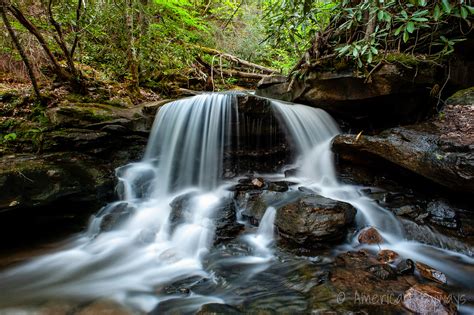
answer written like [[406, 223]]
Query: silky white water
[[134, 261]]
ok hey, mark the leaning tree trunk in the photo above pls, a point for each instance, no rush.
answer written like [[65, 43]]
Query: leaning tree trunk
[[58, 70], [20, 49]]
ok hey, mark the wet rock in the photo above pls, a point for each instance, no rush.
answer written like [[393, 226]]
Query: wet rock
[[291, 173], [34, 181], [383, 271], [430, 273], [224, 215], [387, 256], [104, 307], [314, 219], [356, 287], [406, 210], [405, 267], [421, 218], [115, 214], [426, 299], [262, 149], [280, 186], [305, 220], [442, 214], [440, 150], [258, 182], [370, 236], [306, 190], [214, 309]]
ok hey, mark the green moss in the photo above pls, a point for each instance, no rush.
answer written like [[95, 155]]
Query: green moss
[[462, 97], [405, 59]]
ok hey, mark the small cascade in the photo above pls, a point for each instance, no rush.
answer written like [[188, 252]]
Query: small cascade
[[264, 237]]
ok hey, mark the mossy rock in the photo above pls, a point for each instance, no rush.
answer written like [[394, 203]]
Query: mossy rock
[[83, 114], [35, 181], [462, 97]]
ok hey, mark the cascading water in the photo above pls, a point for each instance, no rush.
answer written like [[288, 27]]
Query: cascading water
[[317, 171], [146, 253]]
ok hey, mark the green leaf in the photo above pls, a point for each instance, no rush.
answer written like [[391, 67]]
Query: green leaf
[[374, 50], [355, 53], [369, 58], [422, 3], [470, 9], [10, 136], [380, 15], [436, 13], [398, 30], [421, 13], [420, 19], [464, 12], [404, 14], [406, 36], [410, 27], [446, 6], [343, 50]]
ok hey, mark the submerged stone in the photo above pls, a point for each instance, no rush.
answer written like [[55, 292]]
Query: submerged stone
[[387, 256], [430, 273], [405, 267], [370, 236], [427, 299]]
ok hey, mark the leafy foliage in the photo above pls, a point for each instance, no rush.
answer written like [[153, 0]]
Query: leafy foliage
[[364, 31]]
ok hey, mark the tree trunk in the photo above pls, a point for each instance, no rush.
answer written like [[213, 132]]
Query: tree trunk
[[132, 49], [59, 71], [18, 46], [371, 16], [60, 40]]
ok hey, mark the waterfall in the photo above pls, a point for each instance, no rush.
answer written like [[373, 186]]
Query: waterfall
[[152, 246], [184, 153]]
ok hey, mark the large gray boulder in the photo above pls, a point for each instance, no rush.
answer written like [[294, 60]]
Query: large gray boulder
[[303, 219]]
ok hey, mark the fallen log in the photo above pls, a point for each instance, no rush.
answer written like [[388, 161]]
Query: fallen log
[[235, 59]]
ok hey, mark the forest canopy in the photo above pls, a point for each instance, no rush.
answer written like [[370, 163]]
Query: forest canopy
[[160, 44]]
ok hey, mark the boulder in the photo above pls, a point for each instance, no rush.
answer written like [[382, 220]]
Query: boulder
[[38, 181], [306, 220], [440, 150], [427, 299], [392, 94], [462, 97], [50, 195]]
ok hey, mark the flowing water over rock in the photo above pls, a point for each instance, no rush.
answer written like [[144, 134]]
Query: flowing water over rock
[[157, 249]]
